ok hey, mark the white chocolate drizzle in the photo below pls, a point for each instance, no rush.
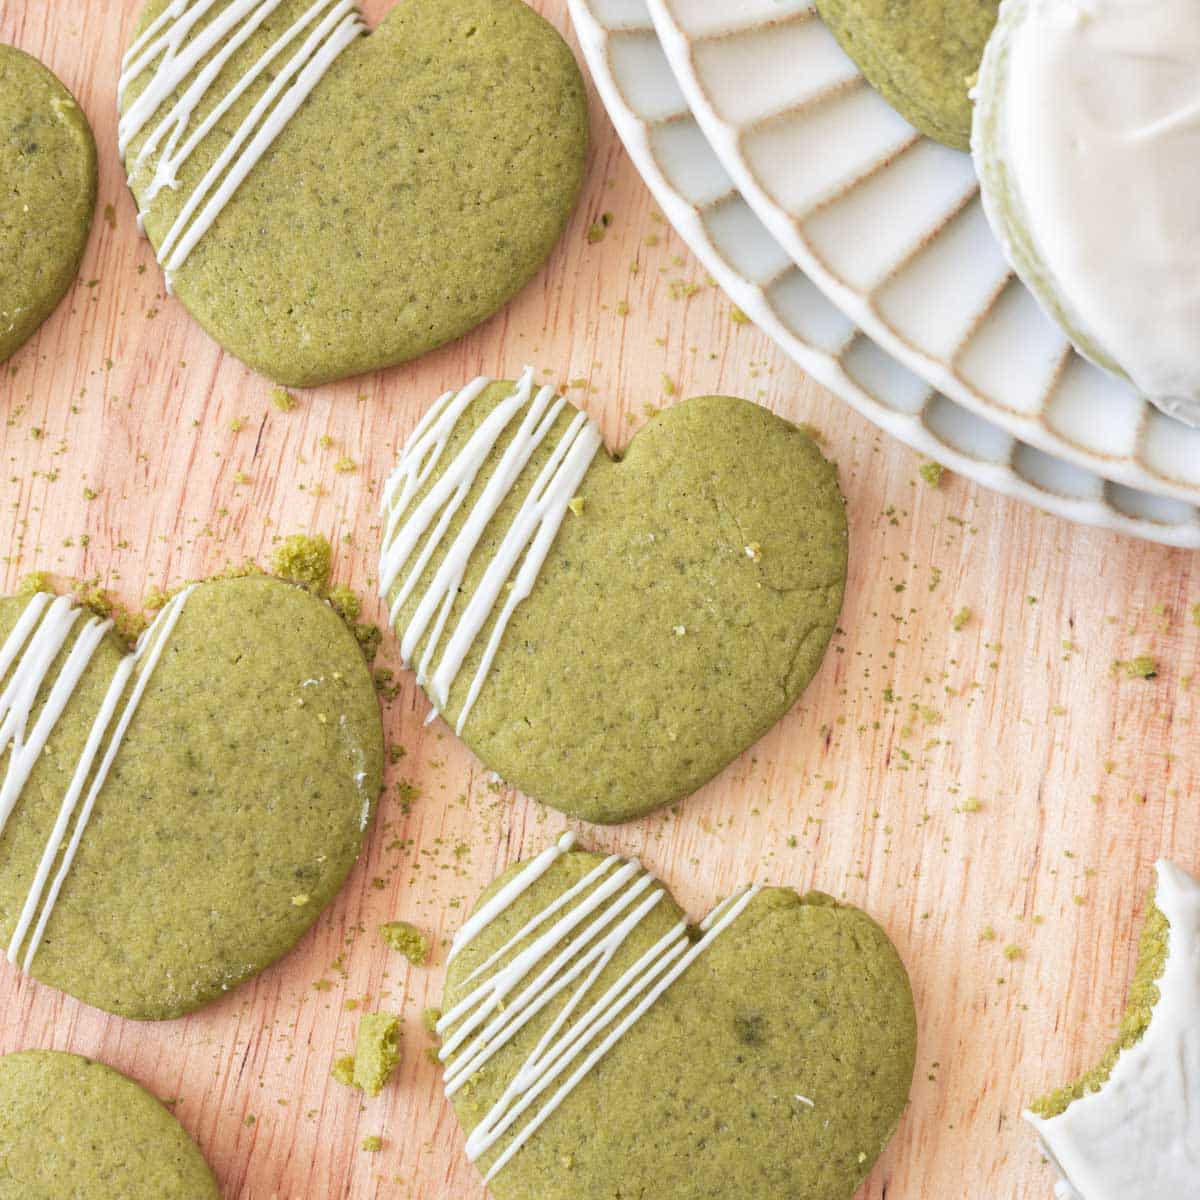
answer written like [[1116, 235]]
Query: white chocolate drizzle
[[1139, 1135], [574, 939], [414, 533], [29, 652], [177, 47]]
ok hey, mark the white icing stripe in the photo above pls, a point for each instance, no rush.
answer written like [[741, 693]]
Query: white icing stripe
[[167, 167], [176, 45], [19, 698], [1139, 1135], [413, 535], [508, 894], [54, 620], [618, 896]]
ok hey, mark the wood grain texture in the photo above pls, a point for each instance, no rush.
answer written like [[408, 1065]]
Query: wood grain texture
[[1082, 777]]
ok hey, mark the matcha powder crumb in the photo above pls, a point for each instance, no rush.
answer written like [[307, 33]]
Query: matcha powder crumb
[[304, 560], [1145, 666], [408, 940], [932, 473], [38, 581], [377, 1052]]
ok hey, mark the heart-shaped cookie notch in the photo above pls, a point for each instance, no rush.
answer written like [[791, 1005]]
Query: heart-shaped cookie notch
[[327, 202], [608, 634], [173, 820], [598, 1047]]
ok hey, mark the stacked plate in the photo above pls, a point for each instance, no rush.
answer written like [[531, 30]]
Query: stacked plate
[[861, 248]]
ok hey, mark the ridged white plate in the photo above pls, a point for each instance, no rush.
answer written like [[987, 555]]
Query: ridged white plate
[[700, 200], [889, 224]]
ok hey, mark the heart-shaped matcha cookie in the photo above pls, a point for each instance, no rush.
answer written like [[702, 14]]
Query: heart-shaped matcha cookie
[[608, 634], [79, 1129], [172, 821], [327, 202], [597, 1047], [47, 196]]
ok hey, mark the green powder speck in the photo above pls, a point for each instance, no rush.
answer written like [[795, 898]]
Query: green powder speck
[[345, 603], [283, 399], [36, 582], [932, 473], [1144, 666], [372, 1144], [960, 619], [343, 1071]]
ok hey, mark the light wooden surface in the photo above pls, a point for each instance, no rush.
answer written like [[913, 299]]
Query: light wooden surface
[[1082, 778]]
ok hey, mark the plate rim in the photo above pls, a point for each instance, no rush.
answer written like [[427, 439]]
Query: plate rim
[[725, 139], [909, 429]]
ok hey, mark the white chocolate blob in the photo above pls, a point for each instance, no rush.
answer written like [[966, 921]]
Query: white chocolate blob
[[1087, 140]]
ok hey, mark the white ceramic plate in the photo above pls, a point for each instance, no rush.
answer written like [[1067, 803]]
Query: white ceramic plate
[[700, 200], [889, 225]]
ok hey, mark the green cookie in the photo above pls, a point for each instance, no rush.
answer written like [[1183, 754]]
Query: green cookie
[[607, 634], [48, 168], [920, 55], [424, 175], [193, 807], [598, 1047], [71, 1129], [1131, 1126], [1143, 996]]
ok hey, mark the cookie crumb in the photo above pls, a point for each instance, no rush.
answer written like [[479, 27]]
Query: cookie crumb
[[408, 940], [1144, 666], [305, 560], [377, 1052], [343, 1071]]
